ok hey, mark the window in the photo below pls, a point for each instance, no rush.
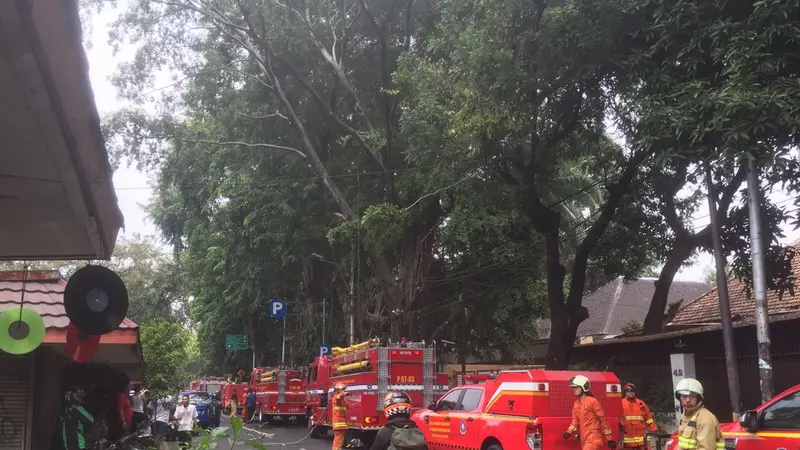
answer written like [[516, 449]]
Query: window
[[471, 400], [449, 401], [784, 415]]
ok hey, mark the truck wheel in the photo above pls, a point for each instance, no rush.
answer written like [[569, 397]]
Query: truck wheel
[[495, 447], [302, 420]]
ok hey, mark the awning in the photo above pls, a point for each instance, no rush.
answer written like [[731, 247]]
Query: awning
[[57, 199]]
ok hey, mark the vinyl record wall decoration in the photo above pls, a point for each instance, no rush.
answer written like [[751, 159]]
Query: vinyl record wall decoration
[[21, 330], [80, 346], [96, 300]]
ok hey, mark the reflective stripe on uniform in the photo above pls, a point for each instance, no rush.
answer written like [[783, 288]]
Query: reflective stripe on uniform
[[687, 443], [340, 408], [339, 425], [649, 421], [633, 440], [633, 418], [720, 445]]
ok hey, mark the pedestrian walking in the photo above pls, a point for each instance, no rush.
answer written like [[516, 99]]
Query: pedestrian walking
[[186, 414], [339, 416], [637, 419], [588, 417]]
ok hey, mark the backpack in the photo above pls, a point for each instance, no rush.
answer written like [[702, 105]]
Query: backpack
[[407, 438]]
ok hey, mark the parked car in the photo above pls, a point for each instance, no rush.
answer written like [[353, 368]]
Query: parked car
[[200, 400]]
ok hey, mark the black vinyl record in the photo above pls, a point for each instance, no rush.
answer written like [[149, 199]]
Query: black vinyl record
[[96, 300]]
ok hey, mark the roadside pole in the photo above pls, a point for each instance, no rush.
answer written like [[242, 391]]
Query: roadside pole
[[759, 283], [283, 344], [323, 322], [731, 361]]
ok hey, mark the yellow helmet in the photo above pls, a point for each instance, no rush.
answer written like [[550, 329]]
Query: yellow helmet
[[581, 382], [688, 386], [339, 386]]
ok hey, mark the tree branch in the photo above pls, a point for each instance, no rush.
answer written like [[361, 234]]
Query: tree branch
[[244, 144]]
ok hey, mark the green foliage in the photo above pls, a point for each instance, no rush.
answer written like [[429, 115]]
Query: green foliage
[[631, 326], [167, 350]]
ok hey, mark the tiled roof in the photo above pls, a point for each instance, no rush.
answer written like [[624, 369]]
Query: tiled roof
[[614, 305], [617, 303], [44, 293], [706, 308]]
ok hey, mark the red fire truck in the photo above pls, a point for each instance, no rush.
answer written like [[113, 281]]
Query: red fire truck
[[526, 409], [230, 390], [371, 370], [279, 393]]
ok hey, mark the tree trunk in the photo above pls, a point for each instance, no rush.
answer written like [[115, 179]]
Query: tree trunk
[[683, 248]]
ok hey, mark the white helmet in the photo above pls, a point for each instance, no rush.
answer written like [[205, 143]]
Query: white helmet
[[581, 382], [688, 386]]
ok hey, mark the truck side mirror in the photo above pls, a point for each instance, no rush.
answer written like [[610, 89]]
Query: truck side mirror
[[749, 421], [432, 406]]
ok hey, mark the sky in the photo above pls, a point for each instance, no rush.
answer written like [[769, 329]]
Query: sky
[[133, 186]]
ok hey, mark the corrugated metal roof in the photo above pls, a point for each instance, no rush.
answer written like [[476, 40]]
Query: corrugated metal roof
[[706, 308], [44, 293]]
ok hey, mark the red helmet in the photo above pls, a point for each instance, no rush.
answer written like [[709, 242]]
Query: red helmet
[[629, 387]]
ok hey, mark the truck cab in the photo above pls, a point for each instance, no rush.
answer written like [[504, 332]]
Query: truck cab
[[527, 409], [773, 425]]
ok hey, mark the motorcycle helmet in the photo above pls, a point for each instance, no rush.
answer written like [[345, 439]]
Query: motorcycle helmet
[[397, 403], [580, 381], [74, 396]]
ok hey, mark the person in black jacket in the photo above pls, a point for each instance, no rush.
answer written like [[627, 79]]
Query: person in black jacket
[[215, 409], [397, 406]]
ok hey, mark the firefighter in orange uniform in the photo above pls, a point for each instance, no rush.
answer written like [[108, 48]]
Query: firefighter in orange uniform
[[637, 419], [588, 417], [339, 416]]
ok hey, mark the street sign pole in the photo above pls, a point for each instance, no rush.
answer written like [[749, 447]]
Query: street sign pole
[[283, 346], [323, 321]]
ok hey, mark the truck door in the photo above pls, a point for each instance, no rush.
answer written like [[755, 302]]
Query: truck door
[[780, 427], [440, 426], [465, 422]]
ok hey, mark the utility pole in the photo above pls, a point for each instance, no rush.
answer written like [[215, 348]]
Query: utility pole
[[759, 283], [351, 327], [283, 344], [731, 361], [464, 338], [323, 321]]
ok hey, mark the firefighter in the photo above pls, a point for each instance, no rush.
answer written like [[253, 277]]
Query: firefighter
[[637, 419], [699, 429], [588, 417], [339, 416]]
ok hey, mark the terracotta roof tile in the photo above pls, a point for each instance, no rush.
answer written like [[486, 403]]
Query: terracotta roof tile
[[706, 308], [45, 295]]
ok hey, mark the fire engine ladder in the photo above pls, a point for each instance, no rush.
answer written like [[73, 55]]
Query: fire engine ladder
[[383, 375], [428, 375], [282, 386]]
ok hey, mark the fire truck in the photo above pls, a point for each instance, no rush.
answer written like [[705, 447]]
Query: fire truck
[[370, 370], [279, 393], [525, 409], [230, 390], [775, 424]]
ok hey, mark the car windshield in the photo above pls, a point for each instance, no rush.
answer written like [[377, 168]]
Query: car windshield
[[198, 398]]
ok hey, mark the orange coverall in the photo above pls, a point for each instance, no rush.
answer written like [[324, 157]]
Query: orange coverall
[[636, 421], [589, 419], [339, 421]]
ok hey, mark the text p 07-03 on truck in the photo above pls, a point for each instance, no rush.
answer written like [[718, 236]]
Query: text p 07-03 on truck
[[525, 409], [773, 425]]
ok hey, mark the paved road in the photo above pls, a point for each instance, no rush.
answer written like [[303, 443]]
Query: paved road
[[278, 434]]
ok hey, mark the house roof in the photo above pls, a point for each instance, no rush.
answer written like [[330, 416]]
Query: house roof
[[44, 293], [619, 302], [705, 309]]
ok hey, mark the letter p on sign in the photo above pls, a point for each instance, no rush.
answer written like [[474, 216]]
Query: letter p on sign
[[277, 310]]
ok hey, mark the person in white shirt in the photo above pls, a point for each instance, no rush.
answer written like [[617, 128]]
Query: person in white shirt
[[186, 414], [137, 404], [161, 409]]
